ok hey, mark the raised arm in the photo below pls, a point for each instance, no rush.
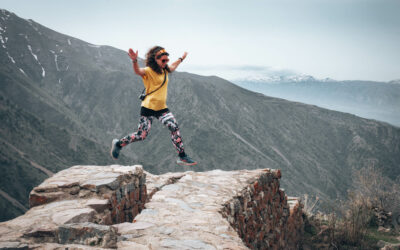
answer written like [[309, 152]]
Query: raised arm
[[139, 71], [175, 64]]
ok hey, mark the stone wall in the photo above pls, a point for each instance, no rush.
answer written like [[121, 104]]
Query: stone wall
[[104, 207], [262, 216], [117, 193], [71, 207]]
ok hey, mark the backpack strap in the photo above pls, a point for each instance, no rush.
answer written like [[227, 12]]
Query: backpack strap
[[165, 78]]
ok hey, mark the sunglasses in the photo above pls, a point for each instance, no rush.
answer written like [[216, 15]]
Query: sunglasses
[[164, 60], [162, 54]]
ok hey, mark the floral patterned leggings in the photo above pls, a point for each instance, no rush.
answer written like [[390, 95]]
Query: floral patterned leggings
[[144, 127]]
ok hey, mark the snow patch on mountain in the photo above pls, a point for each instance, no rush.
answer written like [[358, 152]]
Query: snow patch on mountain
[[3, 44], [55, 60], [6, 14], [25, 36], [274, 75], [33, 54], [10, 57], [30, 21], [281, 78], [36, 58], [22, 71], [253, 73]]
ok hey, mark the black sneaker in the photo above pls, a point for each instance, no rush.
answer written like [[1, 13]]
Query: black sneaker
[[186, 161], [115, 148]]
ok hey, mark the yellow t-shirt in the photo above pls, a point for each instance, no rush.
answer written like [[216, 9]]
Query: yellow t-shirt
[[152, 80]]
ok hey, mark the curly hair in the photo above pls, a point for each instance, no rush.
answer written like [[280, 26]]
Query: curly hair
[[151, 59]]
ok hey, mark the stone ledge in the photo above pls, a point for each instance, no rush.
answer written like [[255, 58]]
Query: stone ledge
[[204, 210], [85, 182], [77, 204], [189, 213]]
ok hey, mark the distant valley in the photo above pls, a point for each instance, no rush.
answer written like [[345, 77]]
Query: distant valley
[[368, 99]]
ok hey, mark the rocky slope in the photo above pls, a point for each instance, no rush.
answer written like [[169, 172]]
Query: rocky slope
[[72, 98]]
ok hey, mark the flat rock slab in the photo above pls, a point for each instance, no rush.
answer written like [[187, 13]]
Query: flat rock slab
[[183, 210], [88, 234], [186, 214], [79, 194], [96, 176], [46, 218]]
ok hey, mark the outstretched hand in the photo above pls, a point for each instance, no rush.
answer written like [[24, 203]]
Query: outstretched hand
[[184, 55], [132, 54]]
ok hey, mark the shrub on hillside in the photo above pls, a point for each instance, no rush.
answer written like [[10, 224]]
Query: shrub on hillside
[[348, 223]]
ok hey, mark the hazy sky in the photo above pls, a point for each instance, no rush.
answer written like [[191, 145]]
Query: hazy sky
[[340, 39]]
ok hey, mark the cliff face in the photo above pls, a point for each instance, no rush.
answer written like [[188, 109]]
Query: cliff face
[[127, 208]]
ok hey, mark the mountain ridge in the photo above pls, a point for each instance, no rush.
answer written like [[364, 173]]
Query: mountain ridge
[[88, 95], [368, 99]]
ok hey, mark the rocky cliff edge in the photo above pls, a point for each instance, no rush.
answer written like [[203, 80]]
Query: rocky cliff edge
[[124, 207]]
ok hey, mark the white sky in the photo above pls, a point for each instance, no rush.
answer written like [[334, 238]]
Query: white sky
[[340, 39]]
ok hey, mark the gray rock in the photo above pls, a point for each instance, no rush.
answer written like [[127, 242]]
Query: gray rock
[[190, 211], [13, 245], [149, 211], [171, 187], [74, 216], [165, 230], [96, 184], [135, 170], [186, 244], [127, 228], [180, 203], [98, 204], [88, 234], [105, 175]]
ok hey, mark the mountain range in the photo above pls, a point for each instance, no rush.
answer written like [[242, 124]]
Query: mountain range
[[368, 99], [63, 100]]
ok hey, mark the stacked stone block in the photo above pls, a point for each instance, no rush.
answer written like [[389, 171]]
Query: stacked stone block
[[262, 216], [127, 202], [77, 206], [295, 225], [120, 196], [98, 206]]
